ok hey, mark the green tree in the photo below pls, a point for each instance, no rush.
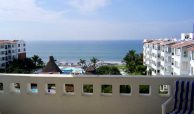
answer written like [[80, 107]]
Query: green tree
[[82, 62], [134, 62], [141, 69], [40, 63], [94, 62], [107, 70], [37, 61], [21, 66], [28, 65]]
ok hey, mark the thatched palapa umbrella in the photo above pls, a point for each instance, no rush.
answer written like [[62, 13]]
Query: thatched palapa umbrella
[[51, 67]]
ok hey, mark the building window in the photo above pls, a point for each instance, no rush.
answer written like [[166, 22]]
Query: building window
[[18, 50], [185, 54], [24, 45], [187, 36], [178, 51], [2, 46], [18, 45], [3, 64], [192, 55], [158, 47], [169, 50], [24, 49]]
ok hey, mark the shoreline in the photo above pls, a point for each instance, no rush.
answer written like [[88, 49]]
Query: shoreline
[[100, 62]]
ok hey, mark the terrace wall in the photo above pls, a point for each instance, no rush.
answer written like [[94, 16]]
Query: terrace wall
[[79, 102]]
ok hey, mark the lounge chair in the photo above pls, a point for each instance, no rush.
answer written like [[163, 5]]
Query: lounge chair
[[183, 100]]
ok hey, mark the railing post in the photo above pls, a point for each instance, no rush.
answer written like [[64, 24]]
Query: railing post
[[59, 88], [6, 87], [116, 89], [96, 89], [23, 88], [135, 89], [78, 89], [41, 87]]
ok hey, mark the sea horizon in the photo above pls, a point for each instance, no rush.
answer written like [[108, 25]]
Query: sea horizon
[[74, 50]]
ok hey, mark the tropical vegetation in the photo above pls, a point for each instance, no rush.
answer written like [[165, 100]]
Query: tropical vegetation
[[27, 65], [82, 63], [134, 63], [107, 70], [93, 62]]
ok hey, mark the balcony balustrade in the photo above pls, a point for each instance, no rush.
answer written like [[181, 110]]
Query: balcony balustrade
[[48, 94]]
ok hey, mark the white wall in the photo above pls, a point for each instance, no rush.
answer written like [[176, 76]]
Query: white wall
[[187, 36], [21, 42], [60, 103]]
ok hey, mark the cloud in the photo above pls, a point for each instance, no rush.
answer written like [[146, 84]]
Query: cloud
[[25, 10], [26, 19], [88, 5]]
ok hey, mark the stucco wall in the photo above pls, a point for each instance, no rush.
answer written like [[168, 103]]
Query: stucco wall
[[79, 103]]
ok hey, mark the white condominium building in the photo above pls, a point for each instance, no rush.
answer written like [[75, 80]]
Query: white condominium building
[[170, 57], [181, 58], [11, 49], [191, 54], [166, 57]]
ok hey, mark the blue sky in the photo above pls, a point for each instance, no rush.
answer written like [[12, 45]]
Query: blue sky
[[94, 19]]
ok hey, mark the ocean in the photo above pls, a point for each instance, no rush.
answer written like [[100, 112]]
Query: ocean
[[72, 51]]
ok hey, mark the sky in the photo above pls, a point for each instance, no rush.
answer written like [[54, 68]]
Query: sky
[[95, 19]]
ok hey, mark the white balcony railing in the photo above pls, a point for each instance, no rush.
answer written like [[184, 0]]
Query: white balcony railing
[[23, 101]]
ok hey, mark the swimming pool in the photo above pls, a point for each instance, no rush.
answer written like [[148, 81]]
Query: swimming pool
[[72, 70], [34, 90]]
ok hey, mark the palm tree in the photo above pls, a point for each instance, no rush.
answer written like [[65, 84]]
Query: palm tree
[[131, 60], [94, 62], [35, 59], [40, 62], [82, 62]]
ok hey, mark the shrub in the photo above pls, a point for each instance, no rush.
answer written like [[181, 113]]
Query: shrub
[[107, 70]]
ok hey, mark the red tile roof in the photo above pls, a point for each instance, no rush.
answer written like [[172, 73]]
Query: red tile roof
[[182, 44], [168, 43], [148, 41], [191, 48], [157, 42], [8, 41]]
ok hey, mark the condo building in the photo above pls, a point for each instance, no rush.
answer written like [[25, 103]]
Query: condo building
[[170, 56], [11, 49]]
